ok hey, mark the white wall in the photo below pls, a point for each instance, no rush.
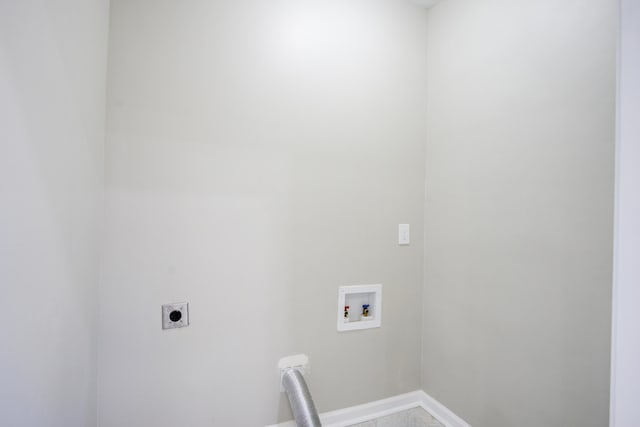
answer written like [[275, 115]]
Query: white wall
[[625, 379], [52, 98], [259, 155], [519, 196]]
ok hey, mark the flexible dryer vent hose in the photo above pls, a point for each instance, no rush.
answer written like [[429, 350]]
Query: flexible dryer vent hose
[[304, 411]]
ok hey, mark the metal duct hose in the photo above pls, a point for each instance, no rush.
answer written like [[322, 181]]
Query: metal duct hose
[[304, 411]]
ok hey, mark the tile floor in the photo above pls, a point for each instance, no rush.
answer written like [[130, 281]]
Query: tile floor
[[416, 417]]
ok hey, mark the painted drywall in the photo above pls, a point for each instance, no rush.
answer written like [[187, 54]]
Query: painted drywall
[[259, 155], [52, 108], [519, 200], [625, 378]]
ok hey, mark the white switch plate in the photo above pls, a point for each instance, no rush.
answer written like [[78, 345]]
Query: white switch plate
[[404, 234], [175, 315]]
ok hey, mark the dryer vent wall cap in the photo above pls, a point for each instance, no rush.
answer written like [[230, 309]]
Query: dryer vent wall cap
[[295, 361]]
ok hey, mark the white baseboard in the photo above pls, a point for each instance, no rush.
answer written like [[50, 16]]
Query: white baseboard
[[380, 408], [441, 412]]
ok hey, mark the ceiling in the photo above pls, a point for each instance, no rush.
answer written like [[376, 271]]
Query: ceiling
[[425, 3]]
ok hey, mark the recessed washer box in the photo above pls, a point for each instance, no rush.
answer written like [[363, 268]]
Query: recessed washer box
[[364, 307]]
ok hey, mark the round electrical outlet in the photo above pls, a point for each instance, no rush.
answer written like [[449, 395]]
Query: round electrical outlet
[[175, 315]]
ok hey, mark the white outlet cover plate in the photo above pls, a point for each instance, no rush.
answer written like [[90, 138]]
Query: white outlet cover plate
[[182, 308]]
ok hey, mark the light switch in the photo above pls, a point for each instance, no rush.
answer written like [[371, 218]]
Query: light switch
[[404, 235]]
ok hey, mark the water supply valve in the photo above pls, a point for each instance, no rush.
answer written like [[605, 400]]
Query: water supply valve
[[365, 310]]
